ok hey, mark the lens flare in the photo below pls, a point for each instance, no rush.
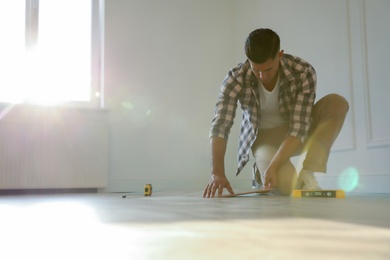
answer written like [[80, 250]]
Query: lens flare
[[349, 179], [127, 105]]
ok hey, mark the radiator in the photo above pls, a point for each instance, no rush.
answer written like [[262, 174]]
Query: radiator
[[45, 147]]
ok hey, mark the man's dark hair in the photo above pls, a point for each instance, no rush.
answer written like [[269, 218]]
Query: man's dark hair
[[261, 45]]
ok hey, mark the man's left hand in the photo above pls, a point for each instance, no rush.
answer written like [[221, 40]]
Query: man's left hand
[[270, 178]]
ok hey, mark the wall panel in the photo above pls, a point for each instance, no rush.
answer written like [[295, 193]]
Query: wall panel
[[376, 31]]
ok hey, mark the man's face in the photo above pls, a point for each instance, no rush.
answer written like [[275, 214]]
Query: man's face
[[267, 72]]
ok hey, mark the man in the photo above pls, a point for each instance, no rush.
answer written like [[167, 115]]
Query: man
[[276, 92]]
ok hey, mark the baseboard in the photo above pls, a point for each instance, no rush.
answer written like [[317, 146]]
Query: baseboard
[[170, 185], [366, 184], [47, 191]]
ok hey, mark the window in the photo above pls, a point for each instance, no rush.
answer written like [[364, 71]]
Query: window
[[51, 52]]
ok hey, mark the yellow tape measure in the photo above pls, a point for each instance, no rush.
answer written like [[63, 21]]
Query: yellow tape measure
[[148, 190]]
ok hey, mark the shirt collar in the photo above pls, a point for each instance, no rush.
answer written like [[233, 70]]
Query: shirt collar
[[285, 70]]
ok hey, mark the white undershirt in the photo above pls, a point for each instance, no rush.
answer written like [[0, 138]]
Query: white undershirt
[[269, 102]]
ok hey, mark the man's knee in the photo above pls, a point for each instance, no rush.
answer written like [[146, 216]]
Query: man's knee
[[339, 103], [332, 106], [264, 153]]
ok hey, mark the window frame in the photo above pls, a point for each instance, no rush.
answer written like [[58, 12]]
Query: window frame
[[97, 49]]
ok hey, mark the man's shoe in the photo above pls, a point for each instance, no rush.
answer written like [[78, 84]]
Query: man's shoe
[[307, 181]]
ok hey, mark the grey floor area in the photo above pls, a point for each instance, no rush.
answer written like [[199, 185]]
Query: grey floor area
[[183, 225]]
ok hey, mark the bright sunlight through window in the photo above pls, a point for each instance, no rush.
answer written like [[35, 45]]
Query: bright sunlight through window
[[57, 67]]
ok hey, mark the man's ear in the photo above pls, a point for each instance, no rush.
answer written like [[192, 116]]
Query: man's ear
[[280, 55]]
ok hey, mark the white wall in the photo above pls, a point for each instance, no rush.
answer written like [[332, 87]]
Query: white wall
[[165, 61]]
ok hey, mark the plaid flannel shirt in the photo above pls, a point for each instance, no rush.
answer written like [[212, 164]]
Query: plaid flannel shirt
[[240, 87]]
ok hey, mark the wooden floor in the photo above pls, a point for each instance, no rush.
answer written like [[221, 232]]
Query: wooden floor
[[183, 225]]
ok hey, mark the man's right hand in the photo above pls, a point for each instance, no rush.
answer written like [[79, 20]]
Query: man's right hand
[[217, 183]]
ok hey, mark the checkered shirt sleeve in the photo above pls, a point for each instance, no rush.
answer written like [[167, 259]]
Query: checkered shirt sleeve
[[225, 110]]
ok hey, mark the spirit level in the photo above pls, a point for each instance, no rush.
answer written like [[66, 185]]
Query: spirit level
[[319, 193]]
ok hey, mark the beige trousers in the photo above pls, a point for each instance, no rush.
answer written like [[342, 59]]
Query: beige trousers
[[327, 120]]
